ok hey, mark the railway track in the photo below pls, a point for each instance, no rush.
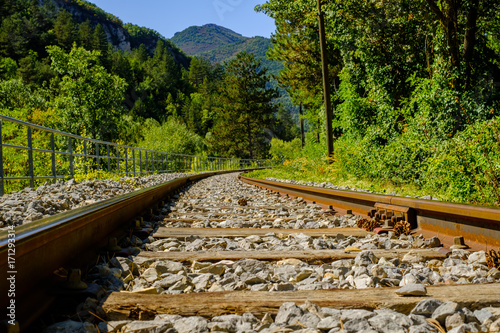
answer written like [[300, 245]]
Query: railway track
[[223, 256]]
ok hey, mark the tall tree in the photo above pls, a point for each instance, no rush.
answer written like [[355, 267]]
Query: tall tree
[[65, 30], [246, 109], [89, 99]]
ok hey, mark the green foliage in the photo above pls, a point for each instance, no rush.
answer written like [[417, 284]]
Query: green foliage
[[172, 136], [245, 110], [89, 95], [281, 150], [8, 68], [195, 40], [409, 83]]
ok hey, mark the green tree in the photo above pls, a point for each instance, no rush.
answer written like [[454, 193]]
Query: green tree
[[172, 136], [85, 32], [246, 109], [65, 30], [89, 97]]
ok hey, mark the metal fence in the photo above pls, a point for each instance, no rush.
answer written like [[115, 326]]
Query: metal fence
[[31, 154]]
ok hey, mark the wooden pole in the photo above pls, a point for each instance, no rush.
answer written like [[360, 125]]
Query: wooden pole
[[326, 81]]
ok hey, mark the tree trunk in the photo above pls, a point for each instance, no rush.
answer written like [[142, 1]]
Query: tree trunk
[[470, 41]]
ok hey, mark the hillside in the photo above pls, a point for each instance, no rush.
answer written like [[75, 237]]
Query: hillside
[[195, 40], [219, 44], [125, 37]]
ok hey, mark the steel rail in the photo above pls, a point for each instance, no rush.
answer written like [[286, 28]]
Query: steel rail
[[44, 246], [475, 223]]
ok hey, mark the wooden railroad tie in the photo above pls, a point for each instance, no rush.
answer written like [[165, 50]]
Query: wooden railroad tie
[[127, 306], [245, 232], [304, 255]]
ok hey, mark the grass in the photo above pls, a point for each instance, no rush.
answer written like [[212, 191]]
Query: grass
[[326, 173]]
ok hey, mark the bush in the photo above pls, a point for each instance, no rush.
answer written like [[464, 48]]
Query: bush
[[172, 136], [285, 150]]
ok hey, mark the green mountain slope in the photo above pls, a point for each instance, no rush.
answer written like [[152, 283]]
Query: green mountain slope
[[219, 44], [195, 40]]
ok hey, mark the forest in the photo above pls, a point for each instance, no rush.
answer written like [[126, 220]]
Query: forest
[[415, 91], [59, 70]]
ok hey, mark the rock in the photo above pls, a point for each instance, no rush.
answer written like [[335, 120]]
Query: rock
[[215, 269], [328, 323], [421, 329], [363, 282], [444, 310], [309, 319], [152, 326], [365, 258], [283, 287], [432, 242], [412, 289], [356, 315], [465, 328], [150, 274], [191, 325], [426, 307], [398, 318], [483, 315], [412, 258], [202, 281], [386, 324], [454, 320], [126, 265], [477, 257], [356, 325], [378, 271], [288, 313], [168, 267], [495, 326], [169, 280]]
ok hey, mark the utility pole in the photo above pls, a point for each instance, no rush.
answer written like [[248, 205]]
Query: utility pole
[[326, 80]]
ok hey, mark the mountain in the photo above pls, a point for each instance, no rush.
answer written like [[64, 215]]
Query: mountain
[[195, 40], [219, 44]]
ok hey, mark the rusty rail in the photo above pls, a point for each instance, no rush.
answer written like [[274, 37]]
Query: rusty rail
[[476, 224]]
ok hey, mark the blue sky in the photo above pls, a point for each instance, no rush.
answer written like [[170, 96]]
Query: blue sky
[[168, 16]]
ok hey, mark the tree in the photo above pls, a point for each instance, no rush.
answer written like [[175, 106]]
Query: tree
[[172, 136], [245, 110], [65, 30], [89, 97]]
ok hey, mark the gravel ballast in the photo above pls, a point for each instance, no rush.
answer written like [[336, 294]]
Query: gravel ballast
[[221, 196]]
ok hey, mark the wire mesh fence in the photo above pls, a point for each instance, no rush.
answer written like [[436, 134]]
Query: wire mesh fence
[[31, 155]]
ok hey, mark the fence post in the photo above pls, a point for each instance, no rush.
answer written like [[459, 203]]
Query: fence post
[[71, 166], [126, 162], [109, 159], [140, 163], [147, 162], [30, 159], [85, 166], [53, 156], [118, 160], [157, 167], [133, 160], [2, 188], [97, 156]]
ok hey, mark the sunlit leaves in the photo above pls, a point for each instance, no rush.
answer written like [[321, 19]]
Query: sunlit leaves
[[89, 96]]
